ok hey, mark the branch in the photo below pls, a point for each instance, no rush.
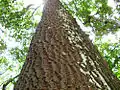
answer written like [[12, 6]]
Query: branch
[[10, 80], [28, 7], [35, 10]]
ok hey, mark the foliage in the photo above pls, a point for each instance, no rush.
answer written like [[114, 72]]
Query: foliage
[[12, 11], [19, 24], [111, 53], [94, 13], [2, 45]]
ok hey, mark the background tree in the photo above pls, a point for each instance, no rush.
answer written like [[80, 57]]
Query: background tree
[[59, 52]]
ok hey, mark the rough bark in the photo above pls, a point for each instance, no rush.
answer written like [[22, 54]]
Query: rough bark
[[61, 57]]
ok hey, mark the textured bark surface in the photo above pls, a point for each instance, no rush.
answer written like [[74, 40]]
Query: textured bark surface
[[61, 57]]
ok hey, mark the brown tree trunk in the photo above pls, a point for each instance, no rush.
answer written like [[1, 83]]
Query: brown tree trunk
[[61, 57]]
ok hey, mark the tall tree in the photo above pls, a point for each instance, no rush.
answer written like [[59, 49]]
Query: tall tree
[[61, 56]]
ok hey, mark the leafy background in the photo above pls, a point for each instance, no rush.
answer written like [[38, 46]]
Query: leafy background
[[18, 22]]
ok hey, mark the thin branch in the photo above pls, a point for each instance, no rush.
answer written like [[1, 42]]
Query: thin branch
[[35, 10], [28, 7], [10, 80]]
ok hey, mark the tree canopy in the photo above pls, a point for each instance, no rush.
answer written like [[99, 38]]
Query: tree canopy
[[18, 23]]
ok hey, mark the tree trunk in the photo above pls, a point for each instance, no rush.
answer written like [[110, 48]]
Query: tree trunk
[[61, 57]]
